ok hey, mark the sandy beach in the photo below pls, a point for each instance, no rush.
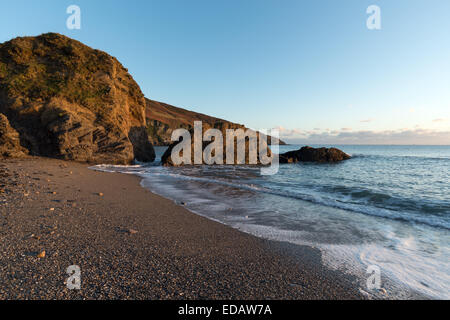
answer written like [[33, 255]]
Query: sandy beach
[[132, 244]]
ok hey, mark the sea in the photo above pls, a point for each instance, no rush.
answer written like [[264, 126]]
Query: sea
[[388, 207]]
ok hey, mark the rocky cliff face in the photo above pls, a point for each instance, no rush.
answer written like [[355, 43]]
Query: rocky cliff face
[[251, 152], [72, 102], [9, 140], [163, 119]]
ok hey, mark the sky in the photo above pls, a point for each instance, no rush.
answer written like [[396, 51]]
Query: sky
[[312, 69]]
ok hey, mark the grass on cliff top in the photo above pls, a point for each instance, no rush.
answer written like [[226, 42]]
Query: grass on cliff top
[[36, 69]]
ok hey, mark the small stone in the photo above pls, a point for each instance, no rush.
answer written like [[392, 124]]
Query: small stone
[[132, 231], [41, 255], [33, 236]]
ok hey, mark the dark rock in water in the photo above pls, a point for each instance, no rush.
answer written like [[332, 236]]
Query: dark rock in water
[[9, 140], [309, 154], [71, 102]]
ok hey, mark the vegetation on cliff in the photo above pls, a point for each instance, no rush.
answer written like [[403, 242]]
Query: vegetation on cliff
[[69, 101], [163, 119]]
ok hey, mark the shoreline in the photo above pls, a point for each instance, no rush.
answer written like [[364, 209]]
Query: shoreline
[[217, 208], [88, 218]]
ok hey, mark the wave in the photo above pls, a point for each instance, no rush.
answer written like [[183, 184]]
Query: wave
[[346, 238], [383, 200], [437, 221], [387, 157]]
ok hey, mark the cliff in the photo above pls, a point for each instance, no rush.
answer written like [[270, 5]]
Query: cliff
[[163, 119], [69, 101]]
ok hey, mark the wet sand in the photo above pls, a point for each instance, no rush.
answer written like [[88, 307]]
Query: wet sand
[[132, 244]]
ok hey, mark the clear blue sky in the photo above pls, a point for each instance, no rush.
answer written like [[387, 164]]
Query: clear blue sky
[[309, 67]]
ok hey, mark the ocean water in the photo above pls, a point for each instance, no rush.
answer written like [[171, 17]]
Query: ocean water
[[388, 206]]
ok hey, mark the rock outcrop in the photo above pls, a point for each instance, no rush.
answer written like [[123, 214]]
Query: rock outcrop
[[251, 151], [163, 119], [309, 154], [71, 102], [9, 140]]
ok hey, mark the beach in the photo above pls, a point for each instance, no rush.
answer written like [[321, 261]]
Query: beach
[[234, 161], [132, 244]]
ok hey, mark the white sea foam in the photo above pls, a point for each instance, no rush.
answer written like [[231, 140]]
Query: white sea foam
[[355, 222]]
